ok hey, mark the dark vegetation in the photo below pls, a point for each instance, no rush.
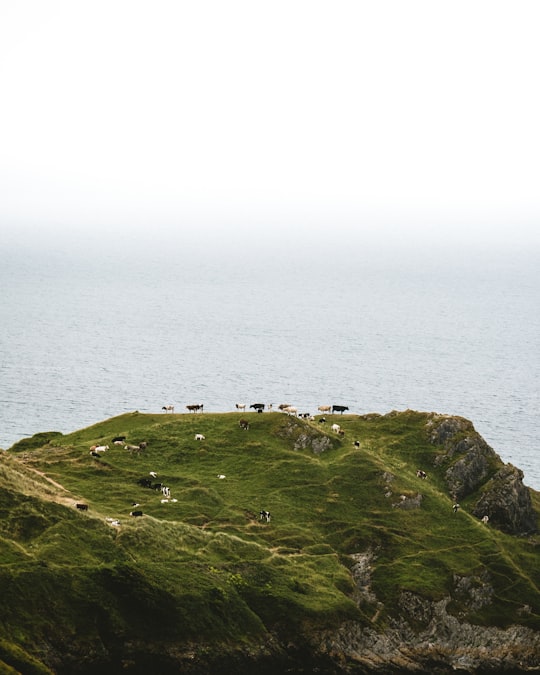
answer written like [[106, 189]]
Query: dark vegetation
[[81, 593]]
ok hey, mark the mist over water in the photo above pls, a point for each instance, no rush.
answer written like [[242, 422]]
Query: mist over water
[[305, 320]]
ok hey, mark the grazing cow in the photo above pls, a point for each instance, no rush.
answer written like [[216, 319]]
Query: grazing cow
[[143, 445], [485, 520], [244, 424], [82, 507], [324, 408], [221, 476], [241, 406], [94, 454], [136, 513], [356, 444], [305, 416], [117, 439], [200, 437], [101, 448], [341, 432], [118, 442], [455, 508], [264, 515], [257, 406], [336, 428], [166, 491], [195, 407], [168, 408], [421, 474], [322, 420], [291, 410], [339, 408], [282, 406], [132, 448]]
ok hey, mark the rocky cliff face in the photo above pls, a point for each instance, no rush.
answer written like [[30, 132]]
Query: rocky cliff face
[[426, 638], [472, 465]]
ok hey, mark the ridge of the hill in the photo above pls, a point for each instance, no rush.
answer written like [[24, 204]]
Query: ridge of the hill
[[398, 542]]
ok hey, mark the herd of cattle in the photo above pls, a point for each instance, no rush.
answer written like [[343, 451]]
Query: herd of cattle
[[260, 407]]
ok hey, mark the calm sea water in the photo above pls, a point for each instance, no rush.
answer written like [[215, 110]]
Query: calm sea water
[[87, 337]]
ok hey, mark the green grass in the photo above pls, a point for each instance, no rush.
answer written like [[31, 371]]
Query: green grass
[[204, 566]]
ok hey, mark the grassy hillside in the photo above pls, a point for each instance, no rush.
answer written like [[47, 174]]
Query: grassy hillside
[[203, 568]]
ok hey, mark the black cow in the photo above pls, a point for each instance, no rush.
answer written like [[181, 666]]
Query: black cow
[[82, 507], [339, 408], [136, 513], [118, 438]]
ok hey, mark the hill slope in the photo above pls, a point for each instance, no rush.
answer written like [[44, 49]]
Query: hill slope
[[363, 566]]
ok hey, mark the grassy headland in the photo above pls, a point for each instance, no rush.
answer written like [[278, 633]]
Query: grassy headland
[[202, 569]]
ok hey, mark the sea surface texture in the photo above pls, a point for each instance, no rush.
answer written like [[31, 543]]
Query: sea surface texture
[[87, 337]]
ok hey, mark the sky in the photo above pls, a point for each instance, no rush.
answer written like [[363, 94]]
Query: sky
[[381, 119]]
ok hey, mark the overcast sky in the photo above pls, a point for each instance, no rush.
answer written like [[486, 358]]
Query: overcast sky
[[397, 117]]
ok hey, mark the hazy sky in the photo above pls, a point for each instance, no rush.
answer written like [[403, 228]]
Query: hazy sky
[[404, 117]]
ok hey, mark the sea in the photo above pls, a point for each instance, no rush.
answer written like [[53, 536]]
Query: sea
[[88, 332]]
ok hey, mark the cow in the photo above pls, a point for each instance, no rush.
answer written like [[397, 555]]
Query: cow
[[322, 420], [136, 513], [264, 515], [168, 408], [257, 406], [485, 520], [356, 444], [291, 410], [336, 428], [117, 439], [244, 424], [282, 406], [199, 437], [82, 507], [421, 474], [240, 406], [324, 408], [339, 408], [195, 407]]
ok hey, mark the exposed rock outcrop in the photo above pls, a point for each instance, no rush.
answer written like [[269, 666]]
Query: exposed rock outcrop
[[507, 502], [468, 456], [305, 437], [426, 638], [473, 465]]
